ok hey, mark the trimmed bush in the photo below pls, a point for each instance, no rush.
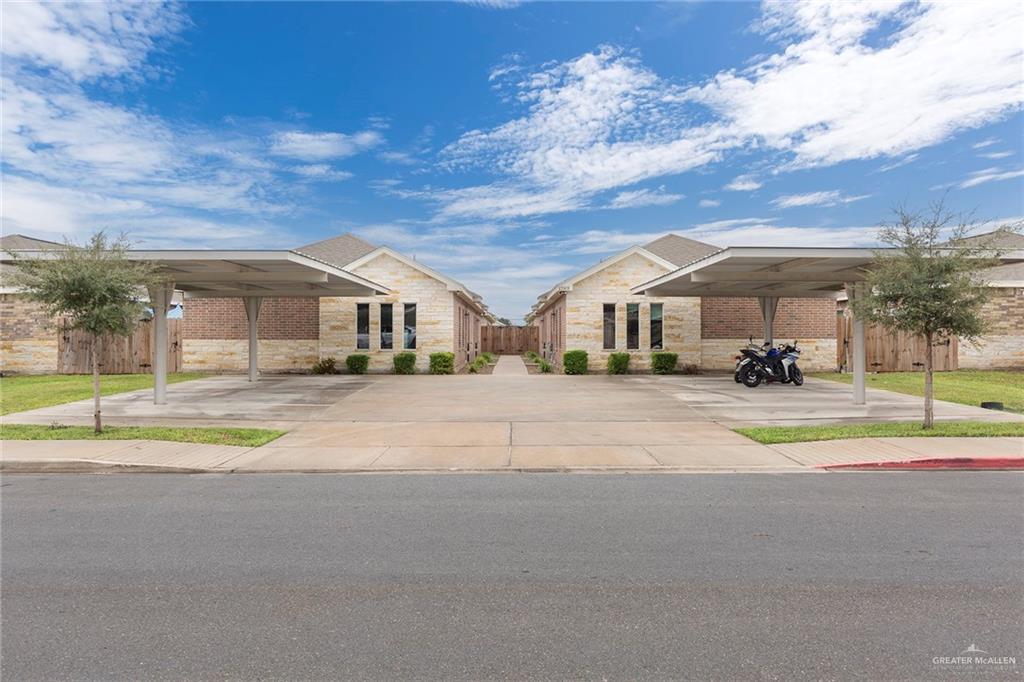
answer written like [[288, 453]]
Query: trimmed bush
[[405, 363], [532, 356], [618, 363], [357, 363], [544, 366], [575, 361], [442, 363], [325, 366], [489, 357], [664, 363]]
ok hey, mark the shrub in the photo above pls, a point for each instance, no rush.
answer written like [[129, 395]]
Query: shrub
[[532, 356], [479, 362], [489, 357], [405, 363], [442, 363], [357, 363], [575, 361], [618, 363], [325, 366], [544, 366], [664, 363]]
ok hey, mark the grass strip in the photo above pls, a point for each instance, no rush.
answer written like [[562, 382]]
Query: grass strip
[[208, 435], [770, 435], [20, 393]]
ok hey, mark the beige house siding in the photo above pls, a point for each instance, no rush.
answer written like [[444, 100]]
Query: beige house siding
[[1003, 343], [434, 315], [232, 355], [28, 339], [466, 322], [584, 315]]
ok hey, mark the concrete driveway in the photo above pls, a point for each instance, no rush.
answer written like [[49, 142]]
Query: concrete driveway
[[501, 421]]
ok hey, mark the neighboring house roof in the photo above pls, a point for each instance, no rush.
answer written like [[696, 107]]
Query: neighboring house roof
[[1011, 274], [671, 252], [679, 250], [19, 242], [348, 251], [338, 251]]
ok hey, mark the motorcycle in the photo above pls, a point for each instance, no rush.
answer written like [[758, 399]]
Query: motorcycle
[[742, 360], [778, 364]]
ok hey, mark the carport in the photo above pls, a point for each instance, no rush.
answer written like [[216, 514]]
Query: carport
[[771, 273], [249, 275]]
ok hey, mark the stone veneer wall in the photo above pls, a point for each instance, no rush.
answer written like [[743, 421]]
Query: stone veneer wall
[[466, 323], [584, 326], [28, 339], [215, 334], [434, 315], [1003, 344], [816, 355]]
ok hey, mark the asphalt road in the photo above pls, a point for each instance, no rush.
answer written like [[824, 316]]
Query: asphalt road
[[830, 576]]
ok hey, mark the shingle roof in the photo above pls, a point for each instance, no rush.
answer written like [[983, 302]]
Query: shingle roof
[[19, 242], [679, 250], [338, 251], [997, 239]]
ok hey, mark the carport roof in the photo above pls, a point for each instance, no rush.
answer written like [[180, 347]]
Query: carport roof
[[791, 272], [235, 273]]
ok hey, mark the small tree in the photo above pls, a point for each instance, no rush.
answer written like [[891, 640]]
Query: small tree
[[95, 286], [932, 286]]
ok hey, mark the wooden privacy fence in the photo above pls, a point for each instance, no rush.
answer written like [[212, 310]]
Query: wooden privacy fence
[[118, 354], [509, 340], [888, 352]]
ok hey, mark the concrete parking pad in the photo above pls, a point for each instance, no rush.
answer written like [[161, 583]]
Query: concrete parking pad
[[499, 421]]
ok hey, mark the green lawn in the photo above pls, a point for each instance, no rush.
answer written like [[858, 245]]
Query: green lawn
[[966, 386], [212, 435], [21, 393], [799, 434]]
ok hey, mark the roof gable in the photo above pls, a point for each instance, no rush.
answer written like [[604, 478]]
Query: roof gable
[[338, 251], [679, 250], [19, 242]]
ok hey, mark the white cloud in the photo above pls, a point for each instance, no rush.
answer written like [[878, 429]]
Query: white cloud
[[990, 175], [87, 40], [644, 197], [995, 155], [709, 203], [402, 158], [765, 232], [492, 4], [320, 171], [908, 159], [988, 142], [827, 198], [319, 146], [832, 92], [743, 183], [719, 225]]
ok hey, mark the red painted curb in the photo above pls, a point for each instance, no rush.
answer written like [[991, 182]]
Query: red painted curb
[[976, 463]]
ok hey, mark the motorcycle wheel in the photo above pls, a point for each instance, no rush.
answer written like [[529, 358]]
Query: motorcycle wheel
[[796, 376], [736, 376], [750, 377]]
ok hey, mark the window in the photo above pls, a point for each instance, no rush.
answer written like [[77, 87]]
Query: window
[[386, 327], [656, 334], [609, 326], [632, 326], [409, 336], [362, 325]]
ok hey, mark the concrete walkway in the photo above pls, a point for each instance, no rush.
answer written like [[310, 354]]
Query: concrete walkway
[[373, 450], [511, 366]]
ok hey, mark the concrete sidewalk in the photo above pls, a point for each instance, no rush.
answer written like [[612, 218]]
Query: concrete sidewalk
[[510, 366], [366, 453]]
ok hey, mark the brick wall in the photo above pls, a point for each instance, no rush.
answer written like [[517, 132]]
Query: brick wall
[[28, 339], [224, 318], [795, 318]]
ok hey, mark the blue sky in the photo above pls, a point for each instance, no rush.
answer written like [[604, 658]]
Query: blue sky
[[507, 144]]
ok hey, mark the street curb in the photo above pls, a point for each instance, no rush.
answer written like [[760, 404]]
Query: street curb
[[90, 466], [935, 464]]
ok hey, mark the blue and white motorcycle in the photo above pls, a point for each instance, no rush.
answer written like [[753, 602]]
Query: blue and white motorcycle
[[777, 364]]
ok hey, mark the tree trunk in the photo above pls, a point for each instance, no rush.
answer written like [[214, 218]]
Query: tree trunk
[[929, 412], [98, 424]]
